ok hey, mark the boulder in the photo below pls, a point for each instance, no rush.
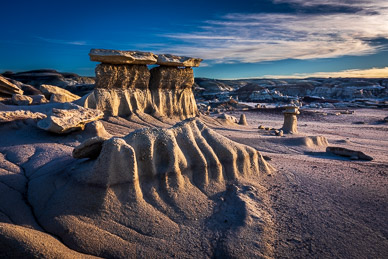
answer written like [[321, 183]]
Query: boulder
[[122, 76], [8, 116], [177, 61], [39, 99], [20, 99], [122, 57], [228, 118], [71, 118], [57, 94], [8, 88], [352, 154]]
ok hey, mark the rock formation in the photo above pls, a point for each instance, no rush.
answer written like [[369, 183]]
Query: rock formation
[[57, 94], [20, 99], [8, 116], [290, 120], [352, 154], [125, 86], [228, 119], [8, 88], [72, 117], [243, 120], [120, 57], [153, 192]]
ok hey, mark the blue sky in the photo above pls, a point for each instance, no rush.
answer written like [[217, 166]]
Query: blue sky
[[236, 39]]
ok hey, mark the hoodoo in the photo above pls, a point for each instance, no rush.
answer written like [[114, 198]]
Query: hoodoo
[[290, 120], [125, 85]]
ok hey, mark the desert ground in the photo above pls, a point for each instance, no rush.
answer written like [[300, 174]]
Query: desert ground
[[311, 204], [145, 161], [325, 206]]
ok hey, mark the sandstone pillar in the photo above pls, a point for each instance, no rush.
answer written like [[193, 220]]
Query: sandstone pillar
[[124, 85], [290, 120]]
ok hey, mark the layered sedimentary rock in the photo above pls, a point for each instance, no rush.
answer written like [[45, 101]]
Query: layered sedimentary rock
[[8, 88], [8, 116], [155, 193], [172, 60], [57, 94], [171, 91], [125, 86], [122, 57]]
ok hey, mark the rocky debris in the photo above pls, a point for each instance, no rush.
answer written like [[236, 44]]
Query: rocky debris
[[123, 90], [290, 120], [8, 88], [228, 118], [38, 77], [243, 120], [8, 116], [352, 154], [72, 117], [177, 61], [90, 148], [20, 99], [57, 94], [110, 76], [119, 57], [39, 99]]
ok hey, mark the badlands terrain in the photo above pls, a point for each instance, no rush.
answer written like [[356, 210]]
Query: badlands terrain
[[149, 163]]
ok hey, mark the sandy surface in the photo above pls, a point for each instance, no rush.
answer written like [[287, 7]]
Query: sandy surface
[[318, 205], [326, 206]]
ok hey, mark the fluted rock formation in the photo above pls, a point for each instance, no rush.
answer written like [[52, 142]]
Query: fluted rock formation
[[124, 85], [153, 190]]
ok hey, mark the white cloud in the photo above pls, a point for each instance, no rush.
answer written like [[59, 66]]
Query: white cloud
[[267, 37], [362, 73], [58, 41]]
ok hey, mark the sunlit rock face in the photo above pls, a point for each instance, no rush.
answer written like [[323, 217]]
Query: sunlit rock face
[[125, 86], [122, 76]]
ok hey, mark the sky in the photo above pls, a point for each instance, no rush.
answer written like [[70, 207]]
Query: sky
[[235, 39]]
